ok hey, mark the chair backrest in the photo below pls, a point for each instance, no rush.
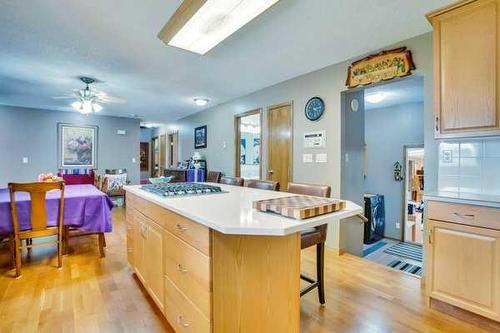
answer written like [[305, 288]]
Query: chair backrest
[[236, 181], [263, 184], [37, 192], [214, 176], [310, 189]]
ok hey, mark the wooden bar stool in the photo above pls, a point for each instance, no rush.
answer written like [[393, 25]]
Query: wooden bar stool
[[214, 176], [235, 181], [263, 184], [39, 228], [314, 236]]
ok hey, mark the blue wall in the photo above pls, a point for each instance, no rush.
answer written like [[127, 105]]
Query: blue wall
[[387, 130], [32, 133]]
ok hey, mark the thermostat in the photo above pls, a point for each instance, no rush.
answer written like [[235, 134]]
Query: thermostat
[[315, 139]]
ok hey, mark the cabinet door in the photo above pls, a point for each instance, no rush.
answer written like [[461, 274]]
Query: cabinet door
[[464, 267], [130, 236], [466, 49], [154, 263], [140, 236]]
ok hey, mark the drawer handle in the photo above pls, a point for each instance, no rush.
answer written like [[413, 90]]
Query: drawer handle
[[181, 269], [465, 216], [181, 322], [129, 250], [181, 228]]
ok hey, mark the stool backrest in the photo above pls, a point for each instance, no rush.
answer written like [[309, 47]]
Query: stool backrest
[[214, 176], [235, 181], [263, 184]]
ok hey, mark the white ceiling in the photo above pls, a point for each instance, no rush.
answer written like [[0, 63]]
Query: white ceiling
[[47, 44], [407, 90]]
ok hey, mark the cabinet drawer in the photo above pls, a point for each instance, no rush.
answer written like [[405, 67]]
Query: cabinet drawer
[[189, 269], [191, 232], [464, 214], [181, 313]]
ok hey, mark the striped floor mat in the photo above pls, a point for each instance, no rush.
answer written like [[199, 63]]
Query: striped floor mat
[[406, 267], [406, 250]]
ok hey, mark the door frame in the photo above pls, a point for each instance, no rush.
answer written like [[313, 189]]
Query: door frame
[[292, 132], [152, 156], [237, 134], [174, 134], [404, 206]]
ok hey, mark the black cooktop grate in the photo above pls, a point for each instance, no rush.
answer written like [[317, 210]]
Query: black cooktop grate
[[181, 189]]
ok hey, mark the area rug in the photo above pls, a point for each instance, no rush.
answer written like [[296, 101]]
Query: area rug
[[406, 267], [406, 250], [373, 248]]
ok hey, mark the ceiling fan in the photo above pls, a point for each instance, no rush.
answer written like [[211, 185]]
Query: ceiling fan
[[88, 100]]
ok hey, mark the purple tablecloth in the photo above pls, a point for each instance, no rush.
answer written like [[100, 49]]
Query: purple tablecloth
[[85, 207]]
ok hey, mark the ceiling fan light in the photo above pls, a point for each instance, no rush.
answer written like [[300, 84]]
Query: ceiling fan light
[[96, 107], [76, 105]]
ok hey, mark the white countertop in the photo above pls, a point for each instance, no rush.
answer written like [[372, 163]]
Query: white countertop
[[464, 198], [232, 212]]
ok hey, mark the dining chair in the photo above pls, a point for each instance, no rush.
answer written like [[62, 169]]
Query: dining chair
[[263, 184], [38, 218], [314, 236], [214, 176], [235, 181], [72, 232]]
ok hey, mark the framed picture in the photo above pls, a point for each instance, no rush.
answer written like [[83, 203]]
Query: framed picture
[[77, 146], [200, 137]]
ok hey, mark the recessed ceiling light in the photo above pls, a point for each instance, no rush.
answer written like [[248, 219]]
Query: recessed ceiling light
[[199, 25], [375, 97], [201, 101]]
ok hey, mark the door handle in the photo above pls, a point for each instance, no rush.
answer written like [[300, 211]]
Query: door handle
[[270, 172]]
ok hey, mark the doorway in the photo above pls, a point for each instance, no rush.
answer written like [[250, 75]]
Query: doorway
[[413, 227], [248, 159], [173, 152], [155, 156], [378, 122], [279, 157]]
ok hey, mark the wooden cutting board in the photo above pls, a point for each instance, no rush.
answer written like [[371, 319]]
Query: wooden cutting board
[[300, 206]]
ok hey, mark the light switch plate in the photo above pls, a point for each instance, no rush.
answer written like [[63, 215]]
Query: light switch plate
[[321, 158], [134, 160], [25, 160], [447, 156], [307, 158]]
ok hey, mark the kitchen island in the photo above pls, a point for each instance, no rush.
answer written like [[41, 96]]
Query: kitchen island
[[212, 263]]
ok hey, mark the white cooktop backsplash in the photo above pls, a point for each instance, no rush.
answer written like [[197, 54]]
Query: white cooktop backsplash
[[471, 166]]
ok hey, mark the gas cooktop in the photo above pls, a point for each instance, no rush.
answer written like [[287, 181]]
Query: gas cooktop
[[181, 189]]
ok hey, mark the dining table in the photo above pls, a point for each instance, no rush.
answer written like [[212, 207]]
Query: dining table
[[85, 208]]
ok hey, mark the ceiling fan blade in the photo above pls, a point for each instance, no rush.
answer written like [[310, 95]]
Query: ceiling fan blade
[[112, 99], [63, 97]]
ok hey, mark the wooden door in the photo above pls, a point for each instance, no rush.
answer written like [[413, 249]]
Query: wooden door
[[154, 262], [139, 246], [464, 267], [163, 154], [466, 50], [279, 166]]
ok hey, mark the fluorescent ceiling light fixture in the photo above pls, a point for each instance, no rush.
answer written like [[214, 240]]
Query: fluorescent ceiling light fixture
[[199, 25], [201, 101], [376, 97]]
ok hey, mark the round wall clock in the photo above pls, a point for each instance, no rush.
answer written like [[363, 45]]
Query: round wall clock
[[315, 107]]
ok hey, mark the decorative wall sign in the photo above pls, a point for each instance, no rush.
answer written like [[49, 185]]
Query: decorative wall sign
[[200, 137], [77, 146], [314, 109], [382, 66]]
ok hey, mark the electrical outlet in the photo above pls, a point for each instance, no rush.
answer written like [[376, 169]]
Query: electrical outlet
[[398, 225]]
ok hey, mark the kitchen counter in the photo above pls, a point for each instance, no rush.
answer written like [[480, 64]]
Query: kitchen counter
[[232, 212], [214, 264], [464, 198]]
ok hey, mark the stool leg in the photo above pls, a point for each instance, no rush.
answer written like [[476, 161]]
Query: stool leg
[[320, 270], [12, 249], [17, 244]]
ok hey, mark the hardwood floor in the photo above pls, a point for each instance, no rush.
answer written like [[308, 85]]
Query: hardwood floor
[[91, 294]]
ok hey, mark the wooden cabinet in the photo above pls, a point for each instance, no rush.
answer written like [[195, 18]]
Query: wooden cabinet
[[148, 256], [466, 72], [463, 265]]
